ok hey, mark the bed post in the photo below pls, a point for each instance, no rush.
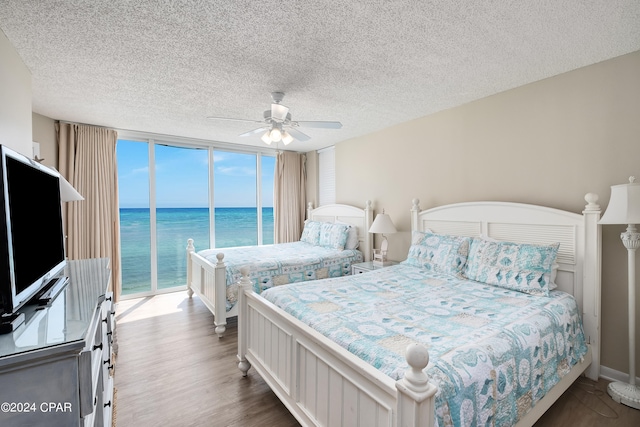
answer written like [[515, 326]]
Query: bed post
[[243, 328], [190, 249], [220, 320], [368, 220], [591, 294], [309, 209], [415, 210], [415, 393]]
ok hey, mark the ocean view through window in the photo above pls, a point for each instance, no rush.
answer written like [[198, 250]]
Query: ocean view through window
[[165, 200]]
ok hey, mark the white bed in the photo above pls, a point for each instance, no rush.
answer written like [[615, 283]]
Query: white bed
[[210, 281], [322, 383]]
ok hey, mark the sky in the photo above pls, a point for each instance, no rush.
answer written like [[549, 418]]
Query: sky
[[182, 177]]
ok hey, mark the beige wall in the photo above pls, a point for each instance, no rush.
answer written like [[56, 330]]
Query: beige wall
[[545, 143], [15, 100], [44, 133]]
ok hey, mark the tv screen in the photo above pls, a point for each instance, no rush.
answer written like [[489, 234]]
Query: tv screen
[[32, 241]]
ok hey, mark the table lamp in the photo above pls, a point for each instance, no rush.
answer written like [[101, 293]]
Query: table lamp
[[382, 225], [624, 208]]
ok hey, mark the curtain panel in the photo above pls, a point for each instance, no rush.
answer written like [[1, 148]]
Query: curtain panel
[[289, 196], [87, 159]]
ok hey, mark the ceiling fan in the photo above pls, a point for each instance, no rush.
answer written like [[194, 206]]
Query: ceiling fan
[[278, 126]]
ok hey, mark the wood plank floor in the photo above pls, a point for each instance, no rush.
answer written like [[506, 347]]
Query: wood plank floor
[[172, 370]]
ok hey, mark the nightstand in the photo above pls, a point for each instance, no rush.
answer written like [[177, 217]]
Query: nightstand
[[368, 266]]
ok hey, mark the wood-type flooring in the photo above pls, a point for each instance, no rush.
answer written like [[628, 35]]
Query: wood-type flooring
[[172, 370]]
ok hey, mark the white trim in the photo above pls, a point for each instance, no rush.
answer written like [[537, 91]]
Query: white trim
[[153, 217], [613, 375], [326, 176], [192, 142]]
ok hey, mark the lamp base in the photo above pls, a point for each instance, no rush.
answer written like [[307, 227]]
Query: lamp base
[[380, 263], [624, 393]]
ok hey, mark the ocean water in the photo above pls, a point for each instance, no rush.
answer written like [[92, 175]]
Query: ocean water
[[233, 227]]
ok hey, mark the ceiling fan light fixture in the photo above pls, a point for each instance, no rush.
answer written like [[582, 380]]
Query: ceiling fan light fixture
[[279, 112], [286, 138], [276, 134], [265, 138]]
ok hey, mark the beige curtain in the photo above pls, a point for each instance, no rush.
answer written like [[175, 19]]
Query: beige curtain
[[87, 159], [289, 204]]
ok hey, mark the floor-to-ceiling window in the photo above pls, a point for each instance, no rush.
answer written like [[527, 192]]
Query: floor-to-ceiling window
[[172, 192], [135, 216]]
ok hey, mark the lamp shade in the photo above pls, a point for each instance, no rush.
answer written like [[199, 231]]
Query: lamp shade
[[382, 224], [286, 138], [67, 192], [624, 205]]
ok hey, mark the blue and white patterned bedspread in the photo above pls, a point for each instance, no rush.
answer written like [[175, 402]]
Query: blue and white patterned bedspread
[[493, 352], [282, 263]]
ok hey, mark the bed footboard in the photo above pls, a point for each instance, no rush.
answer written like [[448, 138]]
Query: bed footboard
[[208, 282], [320, 382]]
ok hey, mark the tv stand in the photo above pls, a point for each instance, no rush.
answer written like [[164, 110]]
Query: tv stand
[[57, 366], [10, 321]]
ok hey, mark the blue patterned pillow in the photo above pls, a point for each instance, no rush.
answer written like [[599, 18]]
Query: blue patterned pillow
[[440, 253], [519, 267], [311, 232], [333, 235]]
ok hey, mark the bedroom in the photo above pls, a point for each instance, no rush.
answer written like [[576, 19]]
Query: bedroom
[[572, 133]]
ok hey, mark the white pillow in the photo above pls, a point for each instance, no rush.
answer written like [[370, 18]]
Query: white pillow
[[352, 239]]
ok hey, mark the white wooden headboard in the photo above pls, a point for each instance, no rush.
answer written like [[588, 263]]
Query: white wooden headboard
[[579, 254], [352, 215]]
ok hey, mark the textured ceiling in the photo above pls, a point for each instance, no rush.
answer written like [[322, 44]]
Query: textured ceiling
[[164, 66]]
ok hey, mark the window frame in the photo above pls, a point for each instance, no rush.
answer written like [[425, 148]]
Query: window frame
[[211, 146]]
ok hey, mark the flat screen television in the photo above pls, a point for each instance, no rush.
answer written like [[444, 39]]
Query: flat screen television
[[32, 249]]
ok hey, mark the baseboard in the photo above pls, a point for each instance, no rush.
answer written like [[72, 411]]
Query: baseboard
[[613, 375]]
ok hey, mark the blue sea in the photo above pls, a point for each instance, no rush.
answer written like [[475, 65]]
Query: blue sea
[[233, 227]]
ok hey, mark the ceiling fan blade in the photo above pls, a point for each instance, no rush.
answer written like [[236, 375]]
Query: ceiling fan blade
[[319, 125], [279, 112], [253, 132], [235, 120], [298, 135]]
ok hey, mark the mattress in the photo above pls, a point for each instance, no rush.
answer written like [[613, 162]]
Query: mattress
[[282, 263], [494, 352]]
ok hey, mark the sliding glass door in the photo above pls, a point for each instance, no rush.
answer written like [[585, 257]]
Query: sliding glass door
[[182, 209], [171, 193]]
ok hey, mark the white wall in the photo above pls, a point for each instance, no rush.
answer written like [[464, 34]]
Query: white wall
[[15, 100]]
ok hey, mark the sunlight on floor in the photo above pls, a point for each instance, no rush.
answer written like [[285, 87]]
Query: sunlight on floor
[[139, 308]]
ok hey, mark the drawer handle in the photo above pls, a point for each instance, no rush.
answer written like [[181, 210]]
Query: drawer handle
[[105, 320], [107, 404], [109, 333], [108, 298], [107, 361], [99, 346]]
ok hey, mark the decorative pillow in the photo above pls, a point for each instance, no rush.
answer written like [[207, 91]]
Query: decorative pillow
[[438, 252], [311, 232], [552, 278], [520, 267], [353, 240], [333, 235]]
